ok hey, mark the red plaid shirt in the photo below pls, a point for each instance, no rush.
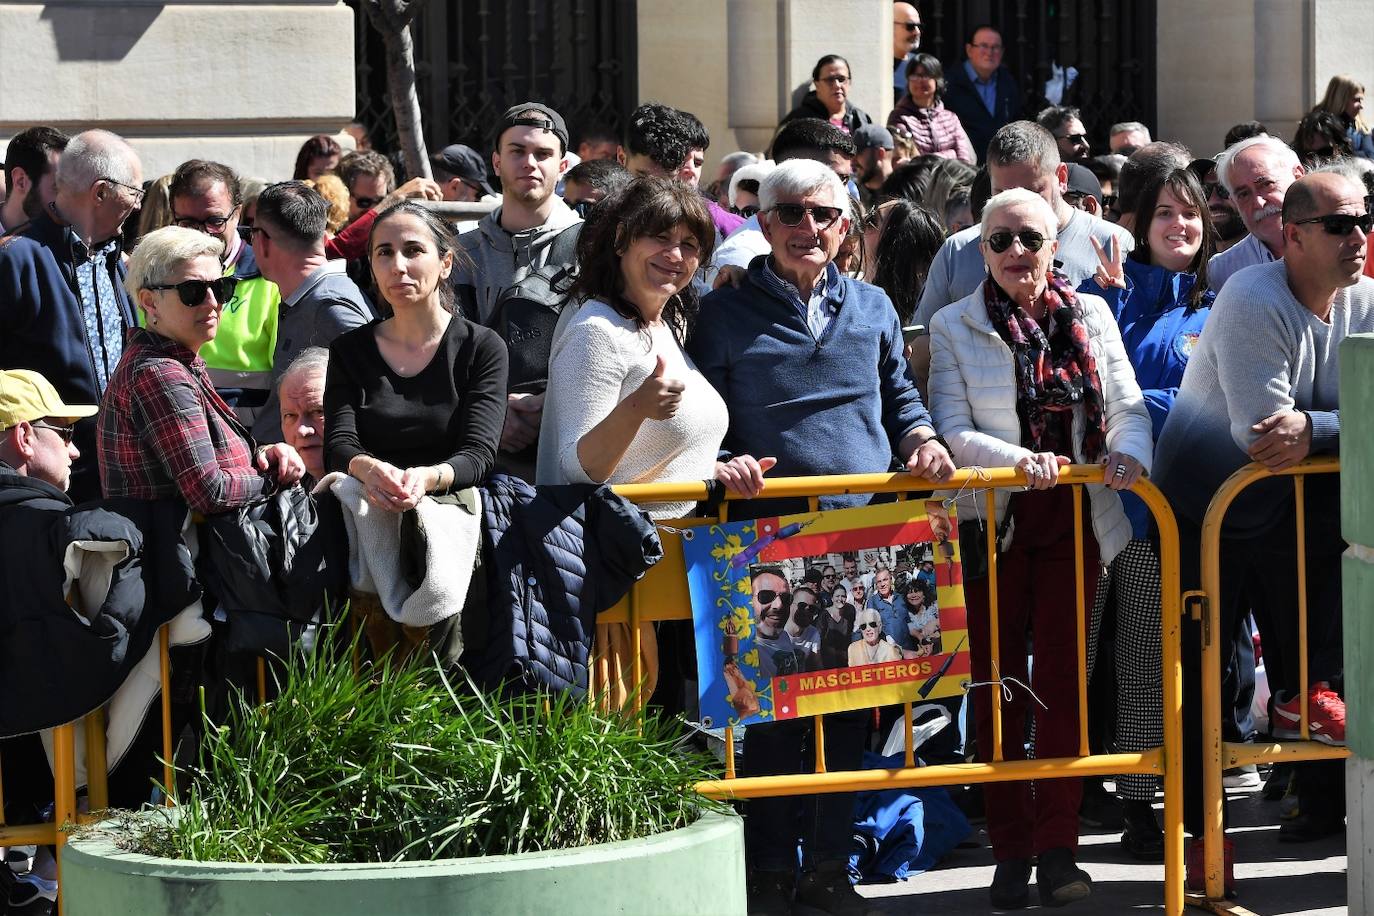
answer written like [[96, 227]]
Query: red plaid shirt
[[164, 432]]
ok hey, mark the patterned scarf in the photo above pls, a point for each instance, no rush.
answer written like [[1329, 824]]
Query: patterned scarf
[[1054, 372]]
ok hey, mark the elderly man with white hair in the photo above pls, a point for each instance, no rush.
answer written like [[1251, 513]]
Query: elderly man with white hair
[[63, 309], [1027, 373], [1257, 173], [810, 365]]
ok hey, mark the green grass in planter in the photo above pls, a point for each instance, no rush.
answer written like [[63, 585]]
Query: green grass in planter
[[395, 764]]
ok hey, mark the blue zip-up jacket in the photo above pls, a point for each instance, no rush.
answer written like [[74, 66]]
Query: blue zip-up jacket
[[839, 404], [43, 327], [1159, 330]]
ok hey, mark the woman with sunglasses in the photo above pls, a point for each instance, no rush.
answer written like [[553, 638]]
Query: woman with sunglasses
[[163, 431], [921, 114], [828, 99], [1161, 300], [1026, 373], [873, 645]]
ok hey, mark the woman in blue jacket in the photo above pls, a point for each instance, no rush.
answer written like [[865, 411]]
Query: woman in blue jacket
[[1160, 297]]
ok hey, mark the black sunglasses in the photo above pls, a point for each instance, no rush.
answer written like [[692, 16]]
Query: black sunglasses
[[793, 214], [766, 597], [1217, 188], [66, 432], [804, 606], [1340, 223], [746, 211], [1076, 138], [192, 292], [1108, 201], [909, 26], [1029, 239], [870, 625], [367, 203]]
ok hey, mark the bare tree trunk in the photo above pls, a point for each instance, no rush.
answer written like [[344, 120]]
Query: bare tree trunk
[[392, 19]]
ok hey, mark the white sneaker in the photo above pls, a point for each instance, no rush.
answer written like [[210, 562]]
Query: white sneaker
[[1246, 777], [20, 858]]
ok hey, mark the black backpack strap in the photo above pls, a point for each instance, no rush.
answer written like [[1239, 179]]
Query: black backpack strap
[[563, 249]]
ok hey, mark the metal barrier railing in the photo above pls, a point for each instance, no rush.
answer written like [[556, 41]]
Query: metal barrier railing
[[1219, 755], [663, 595]]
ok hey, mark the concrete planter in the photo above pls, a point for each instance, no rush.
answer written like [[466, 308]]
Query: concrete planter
[[698, 869]]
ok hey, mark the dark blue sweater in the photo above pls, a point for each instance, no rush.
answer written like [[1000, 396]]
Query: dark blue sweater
[[42, 326], [837, 405]]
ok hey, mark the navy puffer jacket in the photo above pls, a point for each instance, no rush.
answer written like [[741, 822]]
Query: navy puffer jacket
[[553, 559]]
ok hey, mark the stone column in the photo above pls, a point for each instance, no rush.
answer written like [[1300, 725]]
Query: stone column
[[1229, 61], [736, 63], [1357, 582], [242, 82]]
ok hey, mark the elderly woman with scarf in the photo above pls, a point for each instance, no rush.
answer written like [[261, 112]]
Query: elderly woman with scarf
[[1027, 373]]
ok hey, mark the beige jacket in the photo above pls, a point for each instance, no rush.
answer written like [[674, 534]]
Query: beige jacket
[[973, 401]]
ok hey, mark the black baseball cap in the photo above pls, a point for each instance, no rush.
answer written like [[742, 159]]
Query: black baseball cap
[[466, 163], [1082, 181], [551, 121]]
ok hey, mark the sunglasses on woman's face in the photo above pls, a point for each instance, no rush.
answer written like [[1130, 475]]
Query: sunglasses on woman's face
[[766, 597], [793, 214], [1029, 239], [870, 625], [192, 292]]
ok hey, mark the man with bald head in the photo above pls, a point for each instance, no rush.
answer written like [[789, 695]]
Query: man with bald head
[[1256, 172], [906, 38], [63, 308], [1262, 385]]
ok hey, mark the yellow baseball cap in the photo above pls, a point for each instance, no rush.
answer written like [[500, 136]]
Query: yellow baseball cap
[[26, 396]]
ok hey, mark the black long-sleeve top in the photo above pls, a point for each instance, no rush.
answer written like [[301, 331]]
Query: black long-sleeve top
[[451, 411]]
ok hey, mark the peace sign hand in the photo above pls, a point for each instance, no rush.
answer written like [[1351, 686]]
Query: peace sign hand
[[1109, 272]]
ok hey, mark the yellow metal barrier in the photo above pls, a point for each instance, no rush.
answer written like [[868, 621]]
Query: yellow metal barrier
[[1220, 755], [663, 595]]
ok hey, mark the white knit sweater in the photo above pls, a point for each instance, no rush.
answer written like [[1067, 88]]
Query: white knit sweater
[[598, 361]]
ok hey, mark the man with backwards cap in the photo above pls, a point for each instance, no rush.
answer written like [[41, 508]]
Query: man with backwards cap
[[531, 229], [874, 160]]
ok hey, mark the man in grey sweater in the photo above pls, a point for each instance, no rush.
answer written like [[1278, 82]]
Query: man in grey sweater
[[1262, 385], [318, 300], [533, 228]]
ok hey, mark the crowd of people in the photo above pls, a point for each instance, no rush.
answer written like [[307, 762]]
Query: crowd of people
[[961, 287]]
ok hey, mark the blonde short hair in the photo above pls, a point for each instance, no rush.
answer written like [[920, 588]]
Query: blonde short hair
[[332, 189], [1020, 197], [161, 251]]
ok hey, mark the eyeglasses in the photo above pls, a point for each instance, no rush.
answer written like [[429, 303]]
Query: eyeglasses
[[870, 625], [1030, 240], [1076, 139], [1340, 223], [909, 26], [246, 232], [66, 432], [136, 191], [210, 224], [835, 80], [192, 292], [746, 211], [1108, 201], [991, 49], [1074, 198], [367, 203], [804, 606], [793, 214], [766, 597]]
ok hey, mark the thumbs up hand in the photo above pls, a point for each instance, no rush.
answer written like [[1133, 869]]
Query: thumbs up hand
[[658, 397]]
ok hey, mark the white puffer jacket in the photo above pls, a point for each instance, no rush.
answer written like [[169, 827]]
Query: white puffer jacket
[[973, 401]]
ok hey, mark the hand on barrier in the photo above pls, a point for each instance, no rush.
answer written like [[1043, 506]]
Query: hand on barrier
[[744, 475], [1041, 469], [1285, 438], [282, 462], [1120, 471], [659, 397], [930, 461]]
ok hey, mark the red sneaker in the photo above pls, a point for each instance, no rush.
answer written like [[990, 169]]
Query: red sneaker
[[1326, 711], [1193, 861]]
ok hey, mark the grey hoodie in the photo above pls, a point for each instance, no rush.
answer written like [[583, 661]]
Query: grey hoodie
[[500, 259]]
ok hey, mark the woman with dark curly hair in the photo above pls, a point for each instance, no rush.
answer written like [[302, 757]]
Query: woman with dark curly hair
[[627, 403], [1321, 138]]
